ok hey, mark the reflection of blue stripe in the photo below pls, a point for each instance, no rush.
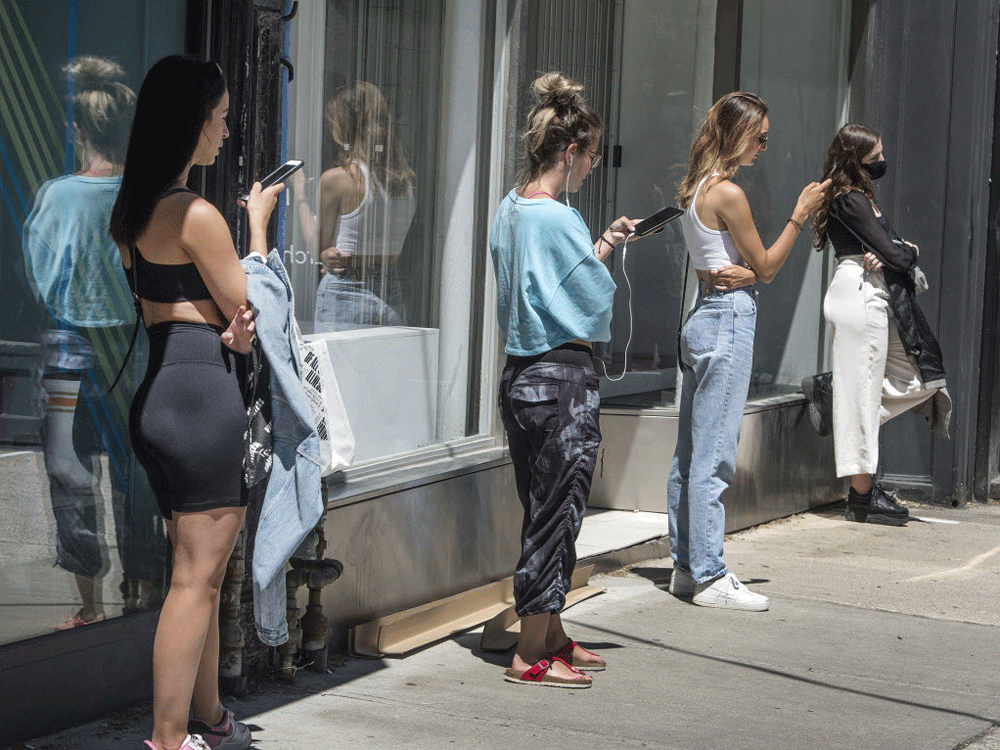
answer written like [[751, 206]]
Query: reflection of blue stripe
[[71, 88], [19, 218], [10, 206]]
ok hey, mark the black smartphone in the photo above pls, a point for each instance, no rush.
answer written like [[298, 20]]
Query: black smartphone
[[279, 175], [651, 223]]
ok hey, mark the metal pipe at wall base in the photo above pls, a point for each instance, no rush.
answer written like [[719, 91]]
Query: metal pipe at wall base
[[307, 644], [320, 573]]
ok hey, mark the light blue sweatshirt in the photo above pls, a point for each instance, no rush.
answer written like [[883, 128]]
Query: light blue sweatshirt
[[72, 263], [551, 288]]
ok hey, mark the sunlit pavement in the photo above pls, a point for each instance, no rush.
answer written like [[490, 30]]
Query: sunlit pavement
[[877, 638]]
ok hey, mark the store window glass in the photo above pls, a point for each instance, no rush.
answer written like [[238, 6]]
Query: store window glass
[[670, 62], [81, 539], [379, 238], [648, 68], [807, 103]]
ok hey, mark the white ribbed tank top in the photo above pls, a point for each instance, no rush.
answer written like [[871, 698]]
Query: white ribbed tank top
[[710, 249], [379, 225]]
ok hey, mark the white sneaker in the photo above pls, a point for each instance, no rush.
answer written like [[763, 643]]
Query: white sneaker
[[729, 593], [681, 582]]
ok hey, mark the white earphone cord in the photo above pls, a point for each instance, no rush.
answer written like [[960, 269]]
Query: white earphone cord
[[630, 321]]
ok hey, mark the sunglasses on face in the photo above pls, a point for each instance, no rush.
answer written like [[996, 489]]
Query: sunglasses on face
[[762, 139]]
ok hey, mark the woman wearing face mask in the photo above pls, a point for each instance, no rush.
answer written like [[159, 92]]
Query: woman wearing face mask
[[716, 344], [188, 417], [554, 298], [876, 325]]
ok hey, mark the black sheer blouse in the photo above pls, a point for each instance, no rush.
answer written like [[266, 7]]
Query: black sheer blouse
[[853, 228]]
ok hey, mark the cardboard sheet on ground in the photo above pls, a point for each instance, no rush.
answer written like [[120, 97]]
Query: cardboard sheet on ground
[[493, 604]]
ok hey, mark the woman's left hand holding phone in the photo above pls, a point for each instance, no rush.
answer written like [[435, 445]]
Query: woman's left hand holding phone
[[259, 205]]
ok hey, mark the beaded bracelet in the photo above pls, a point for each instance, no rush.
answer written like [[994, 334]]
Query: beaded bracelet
[[795, 224]]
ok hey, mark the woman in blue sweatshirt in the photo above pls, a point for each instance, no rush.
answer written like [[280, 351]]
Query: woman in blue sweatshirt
[[554, 298]]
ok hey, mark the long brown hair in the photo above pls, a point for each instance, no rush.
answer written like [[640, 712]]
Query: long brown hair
[[560, 117], [852, 143], [361, 122], [727, 132]]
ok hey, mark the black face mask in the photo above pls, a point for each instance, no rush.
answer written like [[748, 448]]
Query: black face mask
[[875, 169]]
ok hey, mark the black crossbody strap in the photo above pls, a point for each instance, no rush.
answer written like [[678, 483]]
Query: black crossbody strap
[[138, 320]]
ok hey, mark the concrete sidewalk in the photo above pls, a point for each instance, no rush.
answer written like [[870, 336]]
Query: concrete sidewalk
[[877, 637]]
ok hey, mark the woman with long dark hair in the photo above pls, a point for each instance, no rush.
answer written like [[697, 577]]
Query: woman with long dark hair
[[877, 373], [716, 343], [188, 417], [553, 300]]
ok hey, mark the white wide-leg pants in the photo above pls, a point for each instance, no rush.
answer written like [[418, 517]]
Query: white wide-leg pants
[[874, 379]]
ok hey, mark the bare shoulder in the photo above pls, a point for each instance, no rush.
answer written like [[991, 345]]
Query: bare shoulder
[[336, 180], [203, 227], [198, 214], [727, 193]]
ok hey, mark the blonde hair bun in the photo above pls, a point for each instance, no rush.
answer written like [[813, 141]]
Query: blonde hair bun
[[90, 73], [556, 90], [102, 104]]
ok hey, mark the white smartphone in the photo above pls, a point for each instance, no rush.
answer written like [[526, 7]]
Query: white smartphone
[[279, 175]]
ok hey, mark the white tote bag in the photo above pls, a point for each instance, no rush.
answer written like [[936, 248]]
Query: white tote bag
[[336, 440]]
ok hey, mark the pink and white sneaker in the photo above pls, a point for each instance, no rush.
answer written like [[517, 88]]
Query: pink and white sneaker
[[228, 734], [193, 742]]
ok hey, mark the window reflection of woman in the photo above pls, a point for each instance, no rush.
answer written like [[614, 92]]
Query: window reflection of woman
[[73, 269], [366, 207]]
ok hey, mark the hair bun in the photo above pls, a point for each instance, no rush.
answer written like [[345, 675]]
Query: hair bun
[[90, 73], [556, 90]]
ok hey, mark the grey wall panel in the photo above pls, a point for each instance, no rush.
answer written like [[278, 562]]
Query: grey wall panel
[[783, 466], [60, 680], [925, 74], [407, 548]]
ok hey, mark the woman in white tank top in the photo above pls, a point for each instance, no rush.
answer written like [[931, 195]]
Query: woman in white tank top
[[367, 205], [716, 342]]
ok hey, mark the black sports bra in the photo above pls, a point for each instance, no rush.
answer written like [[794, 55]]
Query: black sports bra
[[165, 282]]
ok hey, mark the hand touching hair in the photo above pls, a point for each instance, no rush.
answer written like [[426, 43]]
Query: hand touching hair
[[852, 143]]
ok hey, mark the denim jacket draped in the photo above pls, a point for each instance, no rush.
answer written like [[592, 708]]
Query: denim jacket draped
[[293, 502]]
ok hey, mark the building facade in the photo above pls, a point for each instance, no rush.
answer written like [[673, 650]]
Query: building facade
[[424, 98]]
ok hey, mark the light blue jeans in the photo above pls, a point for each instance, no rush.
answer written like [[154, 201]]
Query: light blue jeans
[[716, 354]]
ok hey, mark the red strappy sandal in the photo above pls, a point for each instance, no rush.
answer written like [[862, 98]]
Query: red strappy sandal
[[566, 655], [538, 674]]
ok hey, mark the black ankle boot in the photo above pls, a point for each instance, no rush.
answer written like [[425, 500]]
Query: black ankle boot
[[875, 506], [818, 391]]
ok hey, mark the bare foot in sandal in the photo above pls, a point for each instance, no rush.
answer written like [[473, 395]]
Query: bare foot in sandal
[[547, 671], [580, 658]]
